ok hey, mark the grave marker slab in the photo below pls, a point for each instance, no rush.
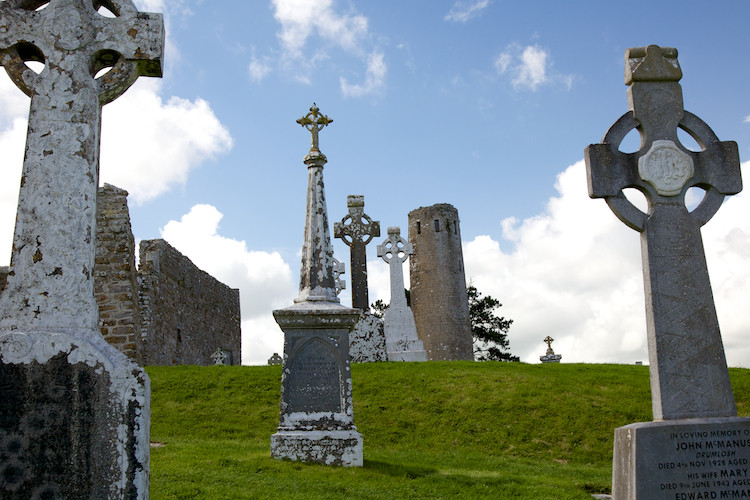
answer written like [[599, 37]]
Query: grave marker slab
[[680, 455], [316, 422], [74, 411], [401, 340]]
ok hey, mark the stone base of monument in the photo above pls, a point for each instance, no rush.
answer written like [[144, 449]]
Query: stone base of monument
[[406, 350], [75, 416], [342, 448], [367, 340], [682, 459]]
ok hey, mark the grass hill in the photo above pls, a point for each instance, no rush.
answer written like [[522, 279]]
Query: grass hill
[[431, 430]]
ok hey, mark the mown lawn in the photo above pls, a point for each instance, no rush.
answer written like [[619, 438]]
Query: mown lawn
[[431, 430]]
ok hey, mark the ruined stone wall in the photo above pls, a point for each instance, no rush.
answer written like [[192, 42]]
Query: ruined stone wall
[[438, 283], [186, 314], [115, 281]]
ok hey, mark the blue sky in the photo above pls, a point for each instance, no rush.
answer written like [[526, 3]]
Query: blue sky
[[484, 104]]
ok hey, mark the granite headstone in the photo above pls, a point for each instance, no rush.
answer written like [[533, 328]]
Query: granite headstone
[[697, 447]]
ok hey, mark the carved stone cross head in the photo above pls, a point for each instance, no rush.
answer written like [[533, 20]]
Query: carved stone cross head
[[548, 340], [72, 38], [357, 227], [314, 122], [395, 248], [663, 169]]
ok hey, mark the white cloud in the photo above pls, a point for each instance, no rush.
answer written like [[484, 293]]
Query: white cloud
[[574, 272], [375, 79], [263, 278], [462, 12], [302, 18], [528, 67], [258, 69], [149, 146]]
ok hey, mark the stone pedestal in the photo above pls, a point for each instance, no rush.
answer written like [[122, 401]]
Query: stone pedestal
[[317, 422], [367, 340], [682, 459], [401, 341]]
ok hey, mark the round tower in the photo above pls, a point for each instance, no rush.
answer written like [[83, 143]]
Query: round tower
[[438, 283]]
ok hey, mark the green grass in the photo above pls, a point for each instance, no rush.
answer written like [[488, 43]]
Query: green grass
[[431, 430]]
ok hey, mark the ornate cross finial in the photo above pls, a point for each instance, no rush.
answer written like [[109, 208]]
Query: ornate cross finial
[[549, 341], [314, 122]]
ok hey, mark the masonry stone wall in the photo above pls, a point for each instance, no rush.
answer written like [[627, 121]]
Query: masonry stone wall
[[115, 273], [186, 314], [166, 312], [438, 283]]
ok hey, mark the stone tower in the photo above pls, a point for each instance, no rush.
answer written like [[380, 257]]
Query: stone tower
[[438, 283]]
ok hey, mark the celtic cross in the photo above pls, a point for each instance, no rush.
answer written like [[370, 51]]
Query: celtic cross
[[357, 230], [689, 377], [50, 285], [394, 251]]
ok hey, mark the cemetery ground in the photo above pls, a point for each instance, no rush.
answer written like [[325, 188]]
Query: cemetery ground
[[431, 430]]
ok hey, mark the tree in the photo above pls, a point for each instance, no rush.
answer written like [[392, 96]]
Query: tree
[[490, 331]]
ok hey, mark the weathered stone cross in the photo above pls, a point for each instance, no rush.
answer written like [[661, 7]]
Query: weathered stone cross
[[50, 286], [689, 377], [360, 230], [314, 122], [548, 340], [395, 251], [317, 282]]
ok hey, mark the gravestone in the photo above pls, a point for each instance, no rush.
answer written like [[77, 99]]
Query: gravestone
[[367, 340], [219, 357], [74, 411], [550, 356], [401, 340], [275, 359], [697, 447], [357, 229], [316, 422]]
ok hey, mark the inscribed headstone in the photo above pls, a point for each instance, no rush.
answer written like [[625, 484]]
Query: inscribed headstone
[[694, 448]]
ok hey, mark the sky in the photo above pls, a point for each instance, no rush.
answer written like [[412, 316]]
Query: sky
[[484, 104]]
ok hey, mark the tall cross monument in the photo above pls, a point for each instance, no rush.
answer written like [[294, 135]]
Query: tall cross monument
[[690, 387], [77, 408], [356, 230], [316, 422]]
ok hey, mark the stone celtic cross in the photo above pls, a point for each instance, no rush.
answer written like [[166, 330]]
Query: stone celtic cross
[[357, 230], [395, 251], [50, 285], [689, 377], [548, 340]]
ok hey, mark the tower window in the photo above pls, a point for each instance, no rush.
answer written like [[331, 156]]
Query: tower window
[[419, 227], [437, 226]]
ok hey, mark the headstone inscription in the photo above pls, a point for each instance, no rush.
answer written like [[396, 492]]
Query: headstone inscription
[[74, 411], [401, 340], [357, 229], [316, 422], [697, 447], [550, 356]]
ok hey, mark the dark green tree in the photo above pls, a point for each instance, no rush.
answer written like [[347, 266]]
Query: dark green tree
[[489, 330]]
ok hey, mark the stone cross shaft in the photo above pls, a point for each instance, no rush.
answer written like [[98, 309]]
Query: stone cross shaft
[[394, 251], [317, 282], [689, 377], [357, 230], [50, 285]]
